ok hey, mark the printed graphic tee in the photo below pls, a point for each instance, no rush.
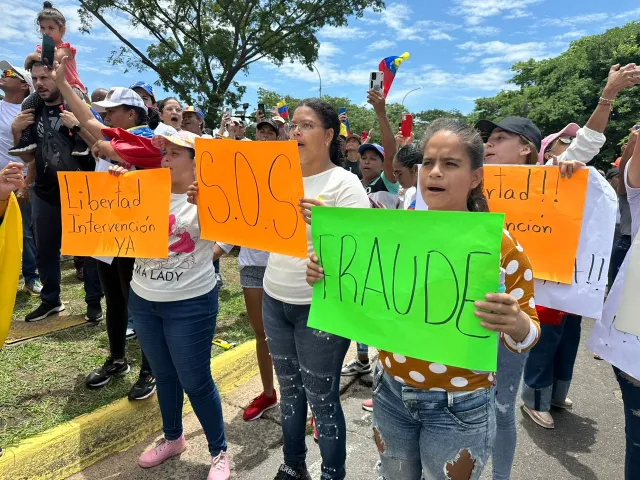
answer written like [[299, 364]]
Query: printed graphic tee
[[188, 270]]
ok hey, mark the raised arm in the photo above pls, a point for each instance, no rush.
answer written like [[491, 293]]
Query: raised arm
[[619, 79], [80, 109], [633, 169], [388, 139], [626, 155]]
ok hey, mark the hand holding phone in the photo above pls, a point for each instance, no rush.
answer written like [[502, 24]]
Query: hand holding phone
[[406, 126], [261, 108], [376, 81]]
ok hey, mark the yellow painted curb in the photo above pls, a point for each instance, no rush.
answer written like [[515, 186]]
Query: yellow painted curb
[[73, 446]]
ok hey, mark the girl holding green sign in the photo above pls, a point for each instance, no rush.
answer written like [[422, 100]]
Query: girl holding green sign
[[439, 420]]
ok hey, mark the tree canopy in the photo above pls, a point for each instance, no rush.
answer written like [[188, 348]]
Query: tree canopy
[[201, 45], [565, 89]]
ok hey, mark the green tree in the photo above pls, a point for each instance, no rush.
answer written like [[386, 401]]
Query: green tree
[[564, 89], [201, 45]]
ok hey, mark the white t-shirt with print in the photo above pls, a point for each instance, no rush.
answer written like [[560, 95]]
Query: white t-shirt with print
[[8, 112], [285, 278], [188, 271]]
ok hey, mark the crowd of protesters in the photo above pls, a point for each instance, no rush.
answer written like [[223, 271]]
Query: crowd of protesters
[[429, 420]]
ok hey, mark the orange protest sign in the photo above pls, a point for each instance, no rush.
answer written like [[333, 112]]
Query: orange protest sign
[[543, 211], [125, 216], [248, 194]]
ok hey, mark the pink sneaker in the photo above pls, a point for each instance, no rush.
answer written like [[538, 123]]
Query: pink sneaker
[[164, 449], [219, 467], [367, 405]]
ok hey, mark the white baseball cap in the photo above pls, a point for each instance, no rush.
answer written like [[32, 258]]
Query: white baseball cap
[[22, 73], [119, 96]]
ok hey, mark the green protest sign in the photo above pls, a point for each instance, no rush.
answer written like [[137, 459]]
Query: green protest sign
[[405, 281]]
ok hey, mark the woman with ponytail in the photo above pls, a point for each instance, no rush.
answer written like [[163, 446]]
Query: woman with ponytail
[[308, 362], [434, 420]]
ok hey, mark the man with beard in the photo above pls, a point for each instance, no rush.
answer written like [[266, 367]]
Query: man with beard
[[53, 154]]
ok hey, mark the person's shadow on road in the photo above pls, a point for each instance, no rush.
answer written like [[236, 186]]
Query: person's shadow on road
[[573, 434]]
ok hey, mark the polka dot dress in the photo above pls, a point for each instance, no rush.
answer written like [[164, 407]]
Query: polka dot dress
[[444, 378]]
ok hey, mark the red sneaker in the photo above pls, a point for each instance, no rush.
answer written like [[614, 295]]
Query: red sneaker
[[259, 405]]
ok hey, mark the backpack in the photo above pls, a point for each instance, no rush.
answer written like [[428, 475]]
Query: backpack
[[57, 148]]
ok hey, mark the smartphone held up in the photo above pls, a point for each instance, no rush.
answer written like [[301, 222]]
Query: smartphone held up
[[376, 81], [406, 126], [48, 50]]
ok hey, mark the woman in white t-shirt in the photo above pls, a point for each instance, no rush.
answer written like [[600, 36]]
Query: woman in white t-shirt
[[308, 362], [174, 304], [252, 265]]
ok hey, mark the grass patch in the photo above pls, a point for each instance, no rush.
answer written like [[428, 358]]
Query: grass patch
[[42, 380]]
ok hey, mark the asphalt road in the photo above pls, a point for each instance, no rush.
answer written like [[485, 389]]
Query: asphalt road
[[587, 443]]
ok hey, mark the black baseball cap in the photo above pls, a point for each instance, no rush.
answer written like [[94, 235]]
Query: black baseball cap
[[519, 125], [272, 123]]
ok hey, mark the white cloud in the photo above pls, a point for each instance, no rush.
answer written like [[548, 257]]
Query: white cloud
[[484, 31], [439, 35], [475, 12], [398, 17], [435, 79], [343, 33], [570, 35], [381, 45], [328, 49], [498, 52], [574, 20]]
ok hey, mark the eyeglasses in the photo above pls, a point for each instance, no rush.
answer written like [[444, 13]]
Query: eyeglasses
[[305, 127], [12, 74]]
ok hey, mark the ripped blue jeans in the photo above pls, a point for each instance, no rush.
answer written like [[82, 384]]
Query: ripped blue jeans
[[308, 363], [441, 435]]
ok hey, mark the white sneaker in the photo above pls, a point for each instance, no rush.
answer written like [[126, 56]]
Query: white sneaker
[[356, 367], [131, 334]]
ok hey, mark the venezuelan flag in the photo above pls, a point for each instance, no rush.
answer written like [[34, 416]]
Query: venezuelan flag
[[283, 110], [389, 66]]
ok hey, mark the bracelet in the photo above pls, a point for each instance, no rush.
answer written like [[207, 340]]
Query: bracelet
[[605, 101], [97, 142]]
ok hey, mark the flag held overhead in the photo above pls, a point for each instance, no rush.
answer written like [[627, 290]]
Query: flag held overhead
[[389, 66], [283, 110]]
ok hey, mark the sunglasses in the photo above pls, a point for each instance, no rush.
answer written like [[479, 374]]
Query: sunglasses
[[11, 74]]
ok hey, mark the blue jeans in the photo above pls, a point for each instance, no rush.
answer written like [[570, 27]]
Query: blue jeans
[[176, 337], [432, 433], [29, 271], [549, 367], [631, 400], [308, 363], [510, 367], [363, 349]]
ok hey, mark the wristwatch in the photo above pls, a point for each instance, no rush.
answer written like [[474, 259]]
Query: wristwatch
[[76, 128]]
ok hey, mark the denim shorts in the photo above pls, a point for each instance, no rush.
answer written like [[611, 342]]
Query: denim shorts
[[252, 276]]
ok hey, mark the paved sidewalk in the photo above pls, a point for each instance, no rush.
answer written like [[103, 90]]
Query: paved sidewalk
[[587, 444]]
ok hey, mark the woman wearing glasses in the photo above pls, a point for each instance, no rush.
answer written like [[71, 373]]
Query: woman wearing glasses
[[308, 362], [170, 117]]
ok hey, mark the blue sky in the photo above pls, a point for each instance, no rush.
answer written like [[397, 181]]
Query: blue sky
[[460, 50]]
